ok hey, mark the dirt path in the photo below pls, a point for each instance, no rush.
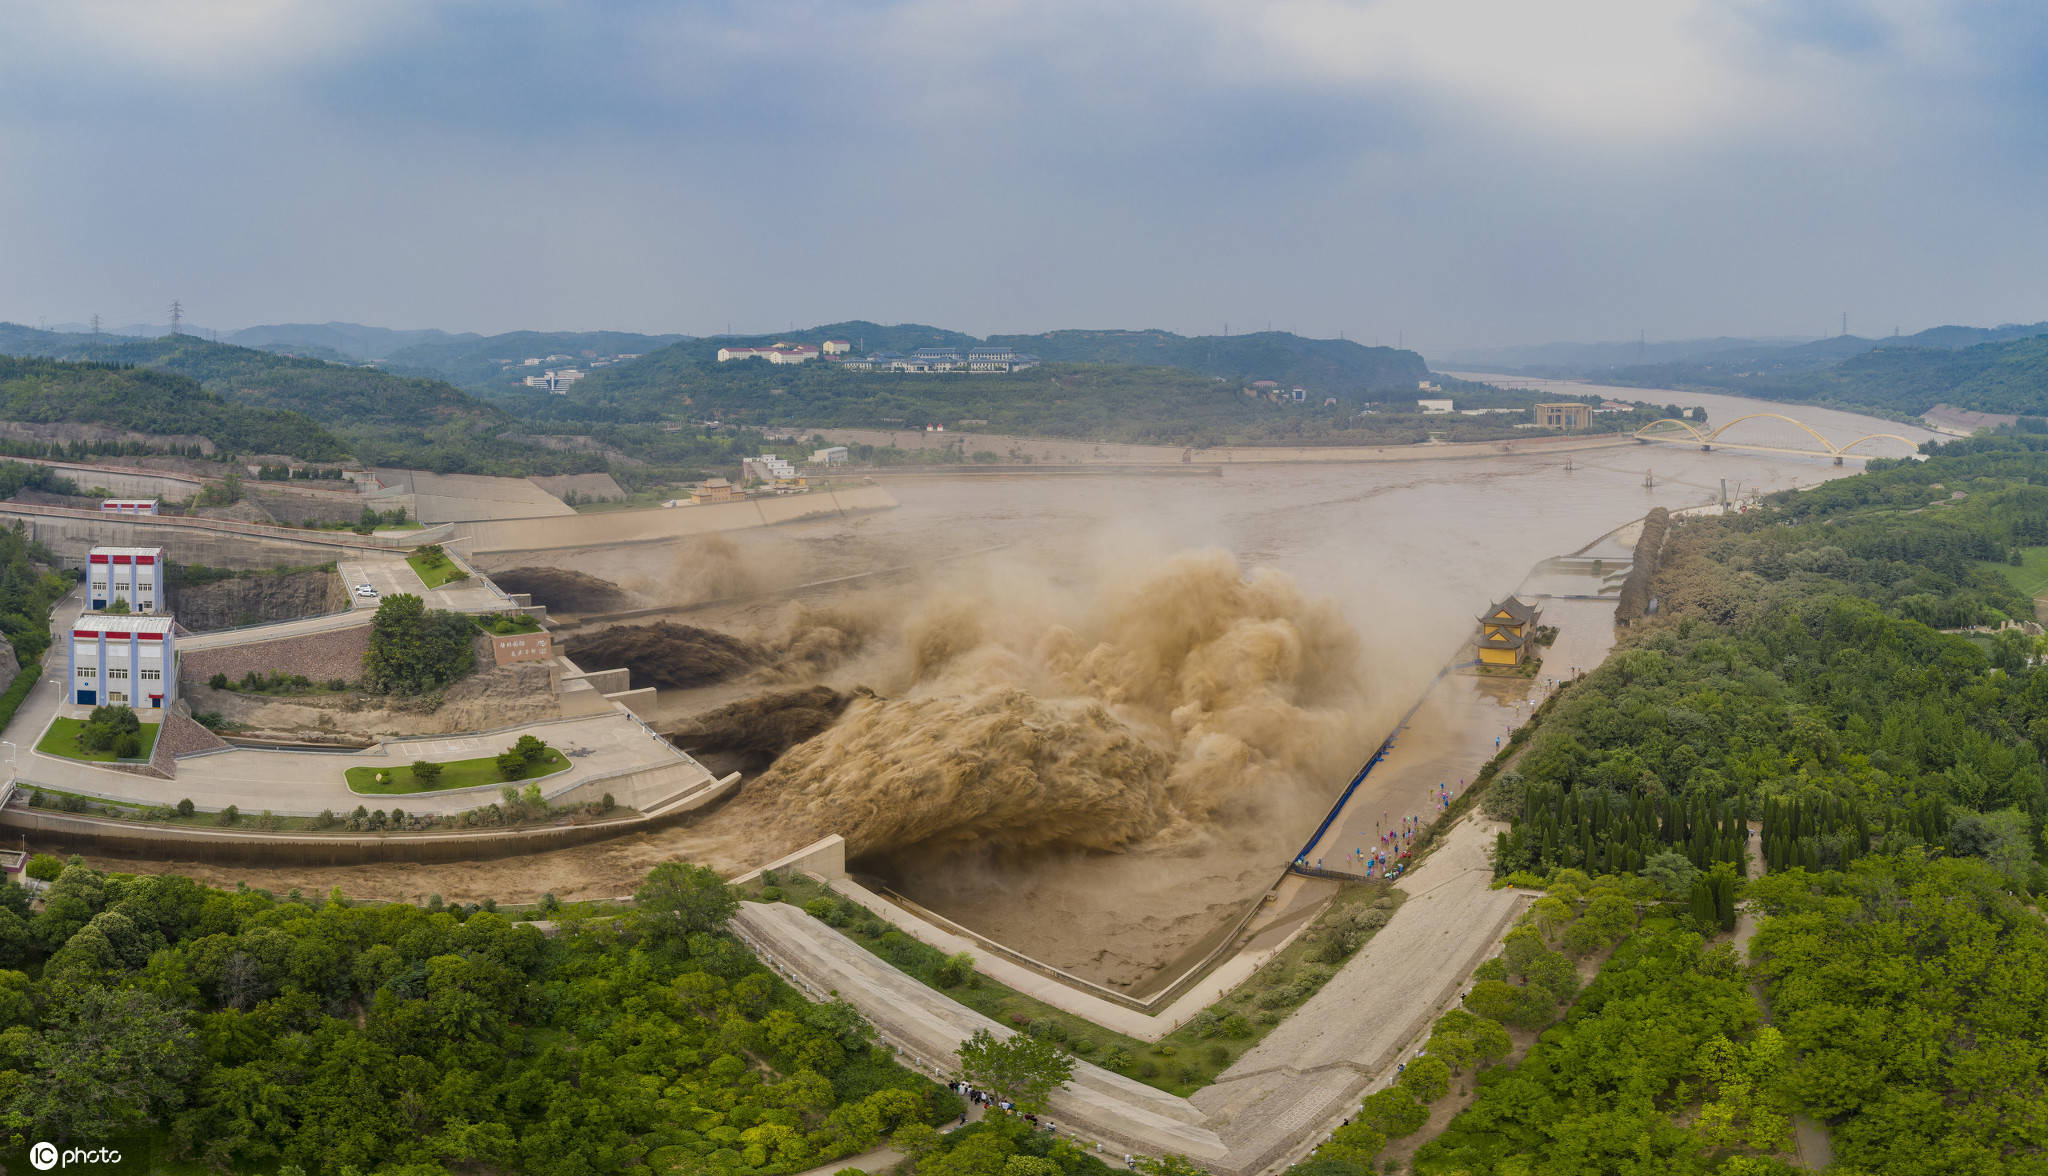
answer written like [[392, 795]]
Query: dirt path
[[1816, 1151]]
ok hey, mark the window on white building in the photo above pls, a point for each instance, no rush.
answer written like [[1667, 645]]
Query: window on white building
[[116, 696], [99, 585], [146, 604], [117, 672], [150, 675], [87, 672]]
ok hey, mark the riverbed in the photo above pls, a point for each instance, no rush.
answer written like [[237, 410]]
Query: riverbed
[[1408, 552]]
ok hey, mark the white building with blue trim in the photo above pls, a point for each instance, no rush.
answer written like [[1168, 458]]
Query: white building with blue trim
[[123, 661], [131, 574]]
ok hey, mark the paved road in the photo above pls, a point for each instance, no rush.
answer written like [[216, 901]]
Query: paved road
[[1308, 1074], [1280, 1097], [302, 783]]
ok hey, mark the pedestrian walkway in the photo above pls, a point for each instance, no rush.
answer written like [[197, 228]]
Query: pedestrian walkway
[[1281, 1096]]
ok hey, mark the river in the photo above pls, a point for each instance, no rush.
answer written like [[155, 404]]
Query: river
[[1409, 552]]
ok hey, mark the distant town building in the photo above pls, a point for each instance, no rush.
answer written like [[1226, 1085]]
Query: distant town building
[[1434, 406], [712, 490], [1426, 386], [771, 471], [122, 661], [131, 574], [831, 455], [556, 380], [835, 347], [1506, 631], [129, 506], [774, 353], [1569, 415]]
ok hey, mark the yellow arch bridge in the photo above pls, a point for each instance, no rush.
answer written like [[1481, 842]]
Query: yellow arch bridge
[[1671, 431]]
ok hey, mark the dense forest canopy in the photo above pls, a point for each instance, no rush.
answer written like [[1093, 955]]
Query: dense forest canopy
[[235, 1031], [159, 403]]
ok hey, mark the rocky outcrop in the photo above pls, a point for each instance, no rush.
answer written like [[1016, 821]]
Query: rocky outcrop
[[257, 598], [9, 667]]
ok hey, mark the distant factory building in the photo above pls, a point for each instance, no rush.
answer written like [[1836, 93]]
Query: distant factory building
[[1434, 406], [831, 455], [1505, 633], [1569, 415], [129, 506], [123, 661], [134, 575]]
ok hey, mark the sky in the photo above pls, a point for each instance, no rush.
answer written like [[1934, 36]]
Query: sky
[[1443, 173]]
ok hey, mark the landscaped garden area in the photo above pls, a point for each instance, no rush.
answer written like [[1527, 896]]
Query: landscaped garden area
[[112, 733], [528, 759], [434, 566], [506, 624]]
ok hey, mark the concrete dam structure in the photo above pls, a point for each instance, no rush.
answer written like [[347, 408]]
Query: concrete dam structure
[[660, 524]]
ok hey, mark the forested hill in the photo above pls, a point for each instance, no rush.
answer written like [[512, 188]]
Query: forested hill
[[331, 393], [1336, 367], [1320, 365], [1996, 370], [159, 403]]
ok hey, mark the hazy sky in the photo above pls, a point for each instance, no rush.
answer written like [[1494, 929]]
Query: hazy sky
[[1463, 172]]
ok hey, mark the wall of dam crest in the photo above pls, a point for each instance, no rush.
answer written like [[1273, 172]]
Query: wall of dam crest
[[660, 524]]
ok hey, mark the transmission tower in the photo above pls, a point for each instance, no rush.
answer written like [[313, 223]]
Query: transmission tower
[[95, 325], [177, 315]]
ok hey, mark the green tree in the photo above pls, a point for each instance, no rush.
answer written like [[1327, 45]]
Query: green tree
[[1022, 1068], [678, 901], [1428, 1078], [108, 1062], [413, 650], [1170, 1164], [426, 773]]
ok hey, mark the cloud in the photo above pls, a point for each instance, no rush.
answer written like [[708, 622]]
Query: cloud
[[1453, 169]]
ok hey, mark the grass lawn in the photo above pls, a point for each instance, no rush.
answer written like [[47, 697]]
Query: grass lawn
[[1183, 1061], [435, 570], [62, 739], [2030, 578], [506, 624], [454, 774]]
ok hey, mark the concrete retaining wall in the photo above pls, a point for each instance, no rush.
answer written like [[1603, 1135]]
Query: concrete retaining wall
[[63, 833], [661, 523], [336, 653], [219, 543]]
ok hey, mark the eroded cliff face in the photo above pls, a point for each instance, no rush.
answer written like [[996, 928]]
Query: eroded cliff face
[[255, 598]]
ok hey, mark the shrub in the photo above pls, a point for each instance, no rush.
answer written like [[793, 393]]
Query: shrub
[[397, 817], [608, 803], [1219, 1054], [185, 807], [218, 681], [127, 746], [326, 819], [954, 970], [44, 867], [1117, 1058], [821, 908], [549, 904], [230, 815], [771, 894], [425, 772]]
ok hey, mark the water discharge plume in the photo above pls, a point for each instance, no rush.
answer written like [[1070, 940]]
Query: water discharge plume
[[709, 567], [766, 724], [667, 654], [1026, 716]]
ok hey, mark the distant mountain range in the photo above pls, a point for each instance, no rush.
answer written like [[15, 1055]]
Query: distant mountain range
[[1690, 362]]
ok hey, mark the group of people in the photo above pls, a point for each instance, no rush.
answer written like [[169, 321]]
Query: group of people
[[987, 1101]]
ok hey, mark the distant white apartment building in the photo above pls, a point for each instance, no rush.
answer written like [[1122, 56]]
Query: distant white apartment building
[[774, 353], [1433, 406], [835, 347], [129, 506], [123, 661], [131, 574], [556, 380], [770, 469]]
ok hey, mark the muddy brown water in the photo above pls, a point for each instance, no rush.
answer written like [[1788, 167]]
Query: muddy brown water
[[1409, 553]]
